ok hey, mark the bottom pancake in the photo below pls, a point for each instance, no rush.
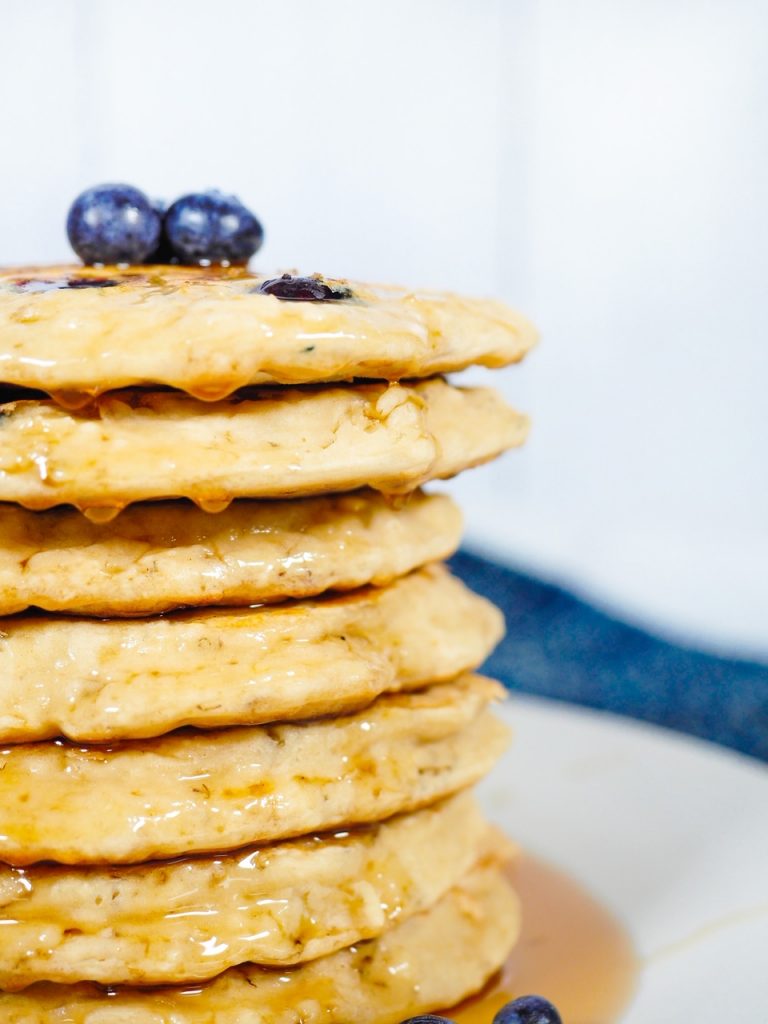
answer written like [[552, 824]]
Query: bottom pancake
[[431, 960], [190, 919]]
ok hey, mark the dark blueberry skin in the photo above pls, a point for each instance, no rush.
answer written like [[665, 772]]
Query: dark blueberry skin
[[210, 227], [528, 1010], [428, 1018], [162, 253], [305, 289], [90, 282], [113, 224]]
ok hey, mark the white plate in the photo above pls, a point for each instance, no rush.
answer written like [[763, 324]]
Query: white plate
[[668, 832]]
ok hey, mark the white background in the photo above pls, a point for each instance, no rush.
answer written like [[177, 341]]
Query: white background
[[601, 163]]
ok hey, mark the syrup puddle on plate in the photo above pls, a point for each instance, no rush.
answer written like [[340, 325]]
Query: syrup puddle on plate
[[571, 950]]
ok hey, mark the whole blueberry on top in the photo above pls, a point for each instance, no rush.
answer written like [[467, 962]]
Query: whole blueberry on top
[[162, 253], [528, 1010], [304, 289], [112, 224], [210, 227], [428, 1018]]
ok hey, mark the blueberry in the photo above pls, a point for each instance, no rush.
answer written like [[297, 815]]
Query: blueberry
[[162, 253], [528, 1010], [209, 227], [428, 1018], [112, 224], [303, 289]]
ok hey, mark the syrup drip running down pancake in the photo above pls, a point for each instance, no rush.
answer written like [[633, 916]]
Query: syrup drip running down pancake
[[79, 331]]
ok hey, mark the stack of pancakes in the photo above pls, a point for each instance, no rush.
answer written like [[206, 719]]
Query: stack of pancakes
[[238, 714]]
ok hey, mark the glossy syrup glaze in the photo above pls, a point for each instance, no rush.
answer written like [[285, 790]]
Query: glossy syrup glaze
[[571, 950]]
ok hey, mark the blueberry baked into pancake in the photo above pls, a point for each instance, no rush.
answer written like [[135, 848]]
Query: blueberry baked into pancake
[[239, 720]]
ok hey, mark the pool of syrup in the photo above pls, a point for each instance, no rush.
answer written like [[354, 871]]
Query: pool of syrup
[[571, 950]]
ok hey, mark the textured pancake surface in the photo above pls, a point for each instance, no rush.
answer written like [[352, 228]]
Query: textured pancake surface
[[222, 789], [154, 557], [99, 680], [210, 331], [428, 961], [189, 920], [132, 446]]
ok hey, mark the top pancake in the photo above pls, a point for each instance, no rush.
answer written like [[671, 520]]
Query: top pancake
[[77, 331]]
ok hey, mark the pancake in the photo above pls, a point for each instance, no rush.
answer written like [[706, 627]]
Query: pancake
[[210, 331], [154, 557], [201, 792], [189, 920], [134, 446], [428, 961], [96, 681]]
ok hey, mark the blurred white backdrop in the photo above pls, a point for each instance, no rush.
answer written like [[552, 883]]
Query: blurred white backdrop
[[601, 164]]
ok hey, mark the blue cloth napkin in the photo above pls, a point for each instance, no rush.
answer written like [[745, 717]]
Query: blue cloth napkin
[[558, 646]]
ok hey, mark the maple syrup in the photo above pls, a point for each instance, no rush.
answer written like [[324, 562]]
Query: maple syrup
[[571, 950]]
